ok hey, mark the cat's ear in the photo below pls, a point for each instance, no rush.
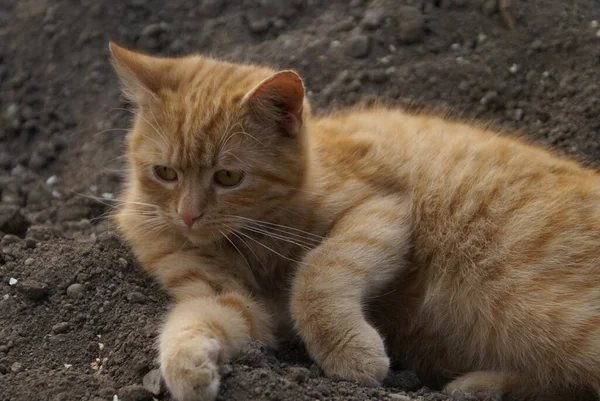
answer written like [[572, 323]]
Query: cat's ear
[[279, 100], [142, 76]]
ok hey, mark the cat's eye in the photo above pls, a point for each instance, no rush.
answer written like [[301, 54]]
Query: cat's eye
[[228, 178], [165, 173]]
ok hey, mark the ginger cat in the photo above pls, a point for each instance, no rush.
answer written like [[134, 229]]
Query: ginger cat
[[371, 233]]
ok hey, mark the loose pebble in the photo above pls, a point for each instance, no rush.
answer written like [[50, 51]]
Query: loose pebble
[[122, 263], [60, 328], [400, 397], [12, 281], [51, 180], [33, 290], [358, 46], [136, 297], [153, 382], [16, 367], [373, 18], [29, 261], [9, 239], [75, 290], [411, 24], [134, 393]]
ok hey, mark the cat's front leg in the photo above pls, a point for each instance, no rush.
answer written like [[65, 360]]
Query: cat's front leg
[[364, 251], [198, 335]]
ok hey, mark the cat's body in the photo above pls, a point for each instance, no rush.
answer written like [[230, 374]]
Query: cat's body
[[465, 250]]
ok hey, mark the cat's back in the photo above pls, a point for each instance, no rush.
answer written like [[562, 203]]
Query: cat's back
[[472, 189], [502, 230]]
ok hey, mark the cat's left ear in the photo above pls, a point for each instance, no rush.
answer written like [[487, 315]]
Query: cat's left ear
[[142, 75], [279, 100]]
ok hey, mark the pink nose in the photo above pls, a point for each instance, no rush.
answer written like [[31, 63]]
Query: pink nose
[[190, 219]]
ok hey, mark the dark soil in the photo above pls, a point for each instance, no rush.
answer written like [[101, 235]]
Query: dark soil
[[78, 319]]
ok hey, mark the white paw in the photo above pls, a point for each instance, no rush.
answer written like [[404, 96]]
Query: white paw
[[191, 369]]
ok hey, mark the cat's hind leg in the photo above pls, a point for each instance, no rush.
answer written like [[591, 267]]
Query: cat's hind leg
[[513, 387]]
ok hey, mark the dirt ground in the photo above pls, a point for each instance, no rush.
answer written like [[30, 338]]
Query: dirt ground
[[78, 319]]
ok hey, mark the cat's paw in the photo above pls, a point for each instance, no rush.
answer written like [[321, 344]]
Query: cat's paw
[[481, 385], [360, 356], [191, 369]]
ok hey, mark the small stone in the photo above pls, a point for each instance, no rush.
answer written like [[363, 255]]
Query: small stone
[[51, 180], [134, 393], [4, 348], [491, 98], [354, 86], [513, 69], [122, 263], [155, 29], [489, 7], [73, 213], [411, 24], [9, 239], [211, 8], [481, 37], [136, 298], [42, 156], [12, 116], [29, 261], [400, 397], [41, 233], [358, 46], [16, 367], [259, 25], [60, 328], [5, 160], [457, 395], [225, 370], [299, 374], [33, 290], [536, 44], [518, 114], [12, 221], [107, 392], [593, 24], [30, 243], [153, 382], [464, 86], [12, 281], [75, 290], [373, 18], [377, 76]]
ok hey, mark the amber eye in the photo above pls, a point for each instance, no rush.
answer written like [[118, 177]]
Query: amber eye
[[165, 173], [228, 178]]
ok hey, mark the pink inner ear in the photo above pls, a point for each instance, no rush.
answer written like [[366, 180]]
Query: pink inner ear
[[283, 92]]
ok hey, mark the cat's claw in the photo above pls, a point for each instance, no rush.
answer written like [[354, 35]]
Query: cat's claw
[[191, 369], [361, 359]]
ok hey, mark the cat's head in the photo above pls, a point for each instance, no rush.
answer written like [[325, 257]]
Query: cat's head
[[213, 143]]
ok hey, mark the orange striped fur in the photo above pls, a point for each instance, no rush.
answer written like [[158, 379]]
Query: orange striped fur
[[371, 233]]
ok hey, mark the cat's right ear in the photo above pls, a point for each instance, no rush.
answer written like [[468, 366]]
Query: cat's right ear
[[142, 76]]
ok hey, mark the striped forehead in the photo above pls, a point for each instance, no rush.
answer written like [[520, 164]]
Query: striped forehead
[[202, 118]]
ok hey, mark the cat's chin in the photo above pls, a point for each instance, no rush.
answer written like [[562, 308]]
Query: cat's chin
[[202, 237]]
